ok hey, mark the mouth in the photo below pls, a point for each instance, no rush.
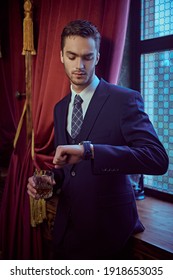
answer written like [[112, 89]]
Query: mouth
[[79, 73]]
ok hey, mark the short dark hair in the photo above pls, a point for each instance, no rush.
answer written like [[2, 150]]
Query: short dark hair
[[81, 28]]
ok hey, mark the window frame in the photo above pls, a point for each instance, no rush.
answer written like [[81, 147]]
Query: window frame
[[137, 48]]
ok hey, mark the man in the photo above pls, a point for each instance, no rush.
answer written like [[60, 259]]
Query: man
[[97, 213]]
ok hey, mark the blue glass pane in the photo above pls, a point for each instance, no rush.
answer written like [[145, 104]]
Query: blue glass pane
[[156, 18], [156, 88]]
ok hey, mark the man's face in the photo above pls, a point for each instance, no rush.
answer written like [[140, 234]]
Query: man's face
[[79, 57]]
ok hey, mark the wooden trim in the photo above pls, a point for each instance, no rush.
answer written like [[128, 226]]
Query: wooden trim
[[156, 44], [163, 196], [157, 239]]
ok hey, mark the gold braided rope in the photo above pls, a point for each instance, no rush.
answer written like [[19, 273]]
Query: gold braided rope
[[19, 127], [32, 145]]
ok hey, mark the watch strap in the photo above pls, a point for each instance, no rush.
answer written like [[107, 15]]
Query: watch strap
[[87, 150]]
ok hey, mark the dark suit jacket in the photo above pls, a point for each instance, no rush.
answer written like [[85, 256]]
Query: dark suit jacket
[[97, 211]]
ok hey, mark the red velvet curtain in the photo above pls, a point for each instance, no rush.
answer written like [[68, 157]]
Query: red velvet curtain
[[18, 239], [12, 75]]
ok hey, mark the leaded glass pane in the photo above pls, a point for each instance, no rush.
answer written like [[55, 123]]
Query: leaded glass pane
[[156, 18], [157, 91]]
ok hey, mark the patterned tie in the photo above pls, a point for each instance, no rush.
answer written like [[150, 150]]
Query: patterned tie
[[77, 116]]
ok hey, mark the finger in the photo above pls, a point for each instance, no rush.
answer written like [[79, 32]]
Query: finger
[[31, 181], [60, 160], [31, 193], [54, 160], [31, 190]]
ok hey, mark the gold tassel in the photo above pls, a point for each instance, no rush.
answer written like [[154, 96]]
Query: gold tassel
[[37, 211], [28, 38]]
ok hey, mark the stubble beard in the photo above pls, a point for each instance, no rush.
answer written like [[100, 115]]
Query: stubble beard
[[83, 81]]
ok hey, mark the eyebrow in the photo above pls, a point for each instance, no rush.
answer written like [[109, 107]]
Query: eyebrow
[[87, 54]]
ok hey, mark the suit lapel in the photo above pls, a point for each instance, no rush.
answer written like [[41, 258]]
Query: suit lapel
[[63, 118], [99, 98]]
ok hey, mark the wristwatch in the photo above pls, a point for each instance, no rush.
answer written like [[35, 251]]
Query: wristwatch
[[87, 150]]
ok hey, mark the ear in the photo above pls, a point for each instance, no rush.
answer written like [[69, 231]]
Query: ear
[[61, 57], [97, 59]]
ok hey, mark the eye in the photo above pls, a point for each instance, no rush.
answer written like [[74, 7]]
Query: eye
[[71, 57], [88, 57]]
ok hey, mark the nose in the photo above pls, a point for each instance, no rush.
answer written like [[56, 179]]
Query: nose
[[80, 63]]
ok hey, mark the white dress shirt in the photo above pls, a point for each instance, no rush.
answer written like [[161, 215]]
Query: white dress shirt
[[86, 95]]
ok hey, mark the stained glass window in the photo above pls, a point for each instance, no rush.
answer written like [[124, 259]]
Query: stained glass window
[[157, 90], [156, 18]]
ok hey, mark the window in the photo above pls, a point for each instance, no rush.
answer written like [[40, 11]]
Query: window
[[156, 18], [153, 76]]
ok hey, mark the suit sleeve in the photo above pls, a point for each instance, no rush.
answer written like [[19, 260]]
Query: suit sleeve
[[58, 173], [143, 153]]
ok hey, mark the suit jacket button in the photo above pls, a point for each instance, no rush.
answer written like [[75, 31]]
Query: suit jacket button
[[73, 173]]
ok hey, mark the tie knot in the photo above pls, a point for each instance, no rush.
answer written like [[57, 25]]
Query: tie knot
[[78, 99]]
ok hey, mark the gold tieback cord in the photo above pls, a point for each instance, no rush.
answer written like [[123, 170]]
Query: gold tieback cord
[[28, 47], [32, 145], [0, 50], [19, 127], [37, 206]]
